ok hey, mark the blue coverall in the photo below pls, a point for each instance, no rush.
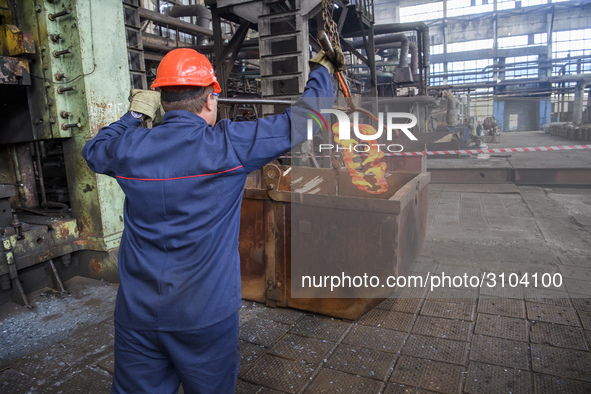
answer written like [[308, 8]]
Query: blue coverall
[[176, 315]]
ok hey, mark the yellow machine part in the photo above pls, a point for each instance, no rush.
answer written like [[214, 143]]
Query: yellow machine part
[[15, 42]]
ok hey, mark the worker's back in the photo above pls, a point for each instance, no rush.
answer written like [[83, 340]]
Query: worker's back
[[178, 261]]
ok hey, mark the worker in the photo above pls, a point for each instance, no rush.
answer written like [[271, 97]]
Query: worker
[[479, 129], [176, 314]]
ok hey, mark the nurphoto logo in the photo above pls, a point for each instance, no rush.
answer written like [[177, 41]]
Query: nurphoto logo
[[343, 129]]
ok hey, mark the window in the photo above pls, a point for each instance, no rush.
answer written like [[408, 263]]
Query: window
[[435, 74], [571, 43], [513, 42], [469, 71], [521, 67], [422, 12], [436, 49], [541, 39], [529, 3], [469, 45], [467, 7], [481, 106]]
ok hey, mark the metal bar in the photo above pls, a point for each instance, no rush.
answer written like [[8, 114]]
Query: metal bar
[[218, 50], [17, 173], [232, 101], [54, 16], [423, 79], [355, 52], [237, 38], [66, 89], [62, 289], [17, 284], [234, 46], [67, 126], [372, 60], [369, 45], [342, 18], [61, 53], [40, 172]]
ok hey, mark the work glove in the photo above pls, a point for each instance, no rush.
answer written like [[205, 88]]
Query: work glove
[[145, 102], [322, 59]]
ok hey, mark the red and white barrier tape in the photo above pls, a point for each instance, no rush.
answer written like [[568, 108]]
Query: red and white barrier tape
[[472, 151]]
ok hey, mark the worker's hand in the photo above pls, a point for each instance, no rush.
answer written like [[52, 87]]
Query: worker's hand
[[145, 102], [338, 65]]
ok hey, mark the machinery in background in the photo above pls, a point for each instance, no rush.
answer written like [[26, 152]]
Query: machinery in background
[[569, 131], [448, 116], [491, 130]]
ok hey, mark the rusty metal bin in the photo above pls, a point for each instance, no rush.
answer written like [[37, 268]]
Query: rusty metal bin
[[386, 229]]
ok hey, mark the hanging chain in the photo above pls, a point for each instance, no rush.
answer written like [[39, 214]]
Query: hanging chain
[[330, 26]]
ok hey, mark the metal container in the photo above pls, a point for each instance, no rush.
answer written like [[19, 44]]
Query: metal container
[[322, 215]]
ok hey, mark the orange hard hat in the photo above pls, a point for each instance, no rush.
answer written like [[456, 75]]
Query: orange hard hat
[[185, 67]]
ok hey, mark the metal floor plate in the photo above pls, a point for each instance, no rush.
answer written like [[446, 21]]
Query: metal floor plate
[[430, 375], [439, 349], [561, 362], [498, 351], [361, 361], [320, 327], [375, 338], [333, 381], [486, 378], [278, 373], [304, 349]]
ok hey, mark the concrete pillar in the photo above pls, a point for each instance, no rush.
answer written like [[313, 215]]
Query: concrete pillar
[[499, 114], [579, 102], [545, 112]]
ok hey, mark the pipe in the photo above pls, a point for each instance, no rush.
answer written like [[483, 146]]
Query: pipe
[[389, 39], [508, 67], [414, 57], [453, 105], [579, 102], [170, 22], [200, 11], [476, 85], [420, 27], [403, 49], [383, 77], [153, 42], [396, 41]]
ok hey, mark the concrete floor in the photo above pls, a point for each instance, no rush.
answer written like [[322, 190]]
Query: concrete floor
[[468, 339]]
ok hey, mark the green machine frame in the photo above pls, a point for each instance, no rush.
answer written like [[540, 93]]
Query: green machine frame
[[79, 82]]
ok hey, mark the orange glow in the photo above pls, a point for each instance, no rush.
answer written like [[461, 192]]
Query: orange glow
[[369, 173]]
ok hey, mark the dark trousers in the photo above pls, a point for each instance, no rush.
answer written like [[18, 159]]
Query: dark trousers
[[204, 360]]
